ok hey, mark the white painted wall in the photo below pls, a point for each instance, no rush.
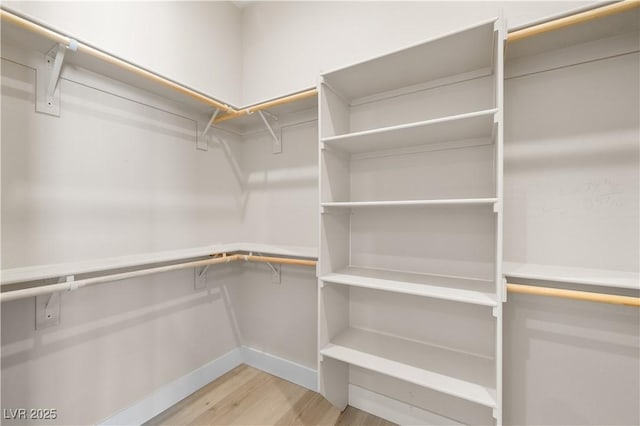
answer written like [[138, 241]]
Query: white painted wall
[[196, 43], [137, 184], [281, 208], [110, 177], [286, 45]]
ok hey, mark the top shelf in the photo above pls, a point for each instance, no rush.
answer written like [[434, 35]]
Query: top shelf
[[425, 62], [612, 20], [26, 34]]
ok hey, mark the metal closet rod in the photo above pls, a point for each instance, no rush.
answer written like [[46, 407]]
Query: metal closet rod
[[73, 285]]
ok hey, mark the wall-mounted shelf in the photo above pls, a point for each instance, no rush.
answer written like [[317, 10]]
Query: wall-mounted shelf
[[26, 34], [455, 373], [584, 27], [42, 272], [572, 275], [457, 289]]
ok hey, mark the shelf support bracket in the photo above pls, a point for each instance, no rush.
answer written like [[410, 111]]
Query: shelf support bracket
[[202, 142], [48, 78], [277, 141], [275, 269], [200, 277], [275, 272], [48, 307]]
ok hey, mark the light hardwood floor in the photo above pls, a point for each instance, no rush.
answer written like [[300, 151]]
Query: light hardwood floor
[[247, 396]]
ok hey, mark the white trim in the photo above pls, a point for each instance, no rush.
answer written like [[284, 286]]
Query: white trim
[[393, 410], [173, 392], [285, 369]]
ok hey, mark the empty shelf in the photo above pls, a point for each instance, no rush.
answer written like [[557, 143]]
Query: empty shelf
[[410, 203], [464, 290], [573, 275], [455, 373], [428, 61], [475, 125]]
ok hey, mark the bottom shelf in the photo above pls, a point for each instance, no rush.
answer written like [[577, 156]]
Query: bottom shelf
[[459, 374]]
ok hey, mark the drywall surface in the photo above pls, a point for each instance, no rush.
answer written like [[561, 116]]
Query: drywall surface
[[572, 197], [113, 175], [286, 45], [572, 166], [281, 207], [570, 363], [281, 191], [194, 43]]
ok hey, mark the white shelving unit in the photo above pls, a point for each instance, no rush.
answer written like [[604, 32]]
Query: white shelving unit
[[411, 224]]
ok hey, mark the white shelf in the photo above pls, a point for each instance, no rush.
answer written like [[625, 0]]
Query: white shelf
[[474, 125], [41, 272], [572, 275], [589, 31], [410, 203], [455, 373], [438, 287], [105, 64], [428, 61]]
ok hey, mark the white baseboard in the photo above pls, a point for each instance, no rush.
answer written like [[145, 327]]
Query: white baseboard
[[285, 369], [172, 393], [175, 391], [393, 410]]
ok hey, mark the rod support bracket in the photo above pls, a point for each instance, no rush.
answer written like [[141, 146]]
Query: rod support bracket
[[277, 140], [202, 140], [200, 277], [48, 78], [48, 307], [276, 276]]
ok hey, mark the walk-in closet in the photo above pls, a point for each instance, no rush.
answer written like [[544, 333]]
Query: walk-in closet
[[320, 213]]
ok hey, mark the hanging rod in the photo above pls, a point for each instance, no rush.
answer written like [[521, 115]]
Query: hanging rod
[[574, 294], [91, 51], [269, 104], [73, 285], [281, 260], [574, 19]]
